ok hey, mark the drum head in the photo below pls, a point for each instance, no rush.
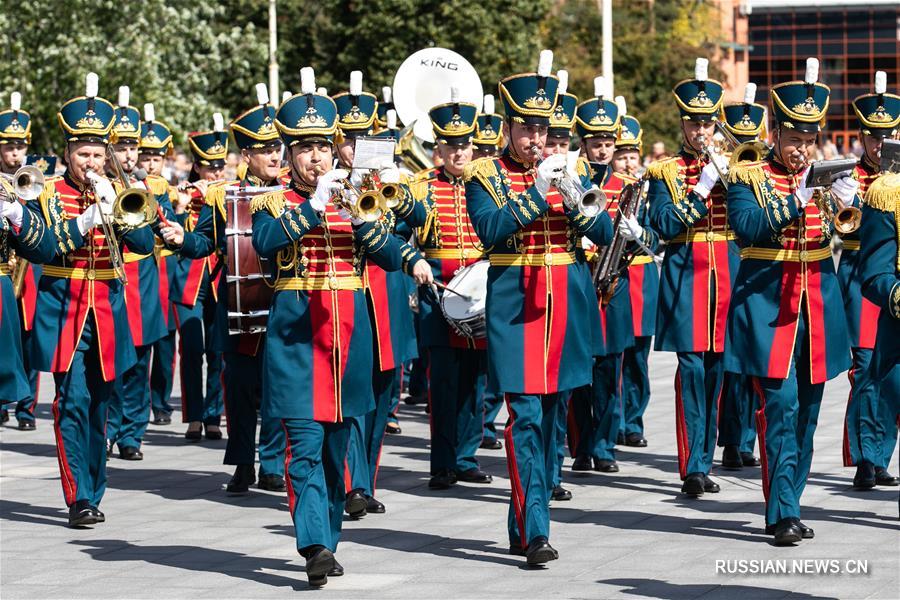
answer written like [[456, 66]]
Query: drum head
[[471, 281]]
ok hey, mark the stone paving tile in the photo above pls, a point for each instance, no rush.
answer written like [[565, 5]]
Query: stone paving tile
[[172, 532]]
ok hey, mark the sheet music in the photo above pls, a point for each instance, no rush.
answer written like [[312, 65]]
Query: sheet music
[[373, 153]]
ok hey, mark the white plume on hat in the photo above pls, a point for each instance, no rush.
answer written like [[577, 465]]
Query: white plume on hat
[[750, 93], [15, 101], [322, 91], [623, 108], [124, 96], [545, 63], [262, 94], [601, 87], [91, 85], [812, 70], [307, 80], [356, 83], [563, 77], [701, 69], [149, 112], [387, 94], [285, 95], [880, 82], [488, 106], [454, 93], [218, 122], [391, 116]]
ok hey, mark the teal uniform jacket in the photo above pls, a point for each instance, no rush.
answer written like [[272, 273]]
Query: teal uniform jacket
[[786, 267], [318, 360], [540, 301], [880, 269], [31, 241], [77, 283]]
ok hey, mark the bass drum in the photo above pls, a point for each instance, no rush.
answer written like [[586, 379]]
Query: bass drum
[[467, 314], [249, 291]]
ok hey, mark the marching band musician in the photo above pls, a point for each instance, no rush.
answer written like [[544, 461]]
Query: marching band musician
[[559, 137], [256, 136], [129, 407], [154, 146], [783, 330], [81, 332], [746, 121], [537, 289], [318, 361], [488, 140], [688, 210], [643, 288], [596, 409], [388, 301], [437, 209], [15, 137], [870, 429], [194, 290]]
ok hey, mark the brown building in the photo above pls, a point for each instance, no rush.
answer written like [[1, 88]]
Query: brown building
[[768, 41]]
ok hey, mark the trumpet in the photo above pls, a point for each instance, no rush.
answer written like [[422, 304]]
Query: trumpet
[[366, 201], [847, 218], [28, 182], [589, 202]]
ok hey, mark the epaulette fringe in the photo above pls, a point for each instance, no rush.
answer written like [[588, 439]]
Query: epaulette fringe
[[273, 202], [884, 193]]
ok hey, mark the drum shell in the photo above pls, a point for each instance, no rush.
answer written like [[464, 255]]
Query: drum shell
[[249, 292]]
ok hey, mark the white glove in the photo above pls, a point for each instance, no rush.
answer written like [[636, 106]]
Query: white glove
[[104, 191], [357, 176], [12, 211], [709, 176], [844, 189], [586, 243], [89, 219], [549, 172], [630, 229], [389, 174], [345, 215], [327, 185], [803, 194]]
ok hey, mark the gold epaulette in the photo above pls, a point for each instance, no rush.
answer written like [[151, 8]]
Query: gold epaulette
[[482, 168], [582, 167], [157, 185], [418, 184], [748, 172], [665, 169], [241, 170], [884, 193], [272, 201], [215, 197]]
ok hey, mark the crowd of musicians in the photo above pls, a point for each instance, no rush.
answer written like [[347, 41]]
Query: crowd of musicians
[[105, 267]]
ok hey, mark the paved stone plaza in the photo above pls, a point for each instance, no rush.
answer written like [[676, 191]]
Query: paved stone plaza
[[172, 532]]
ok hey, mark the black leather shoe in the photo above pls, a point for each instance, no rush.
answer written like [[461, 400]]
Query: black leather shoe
[[606, 466], [131, 453], [515, 549], [806, 532], [731, 458], [474, 476], [749, 459], [710, 486], [101, 518], [560, 494], [355, 504], [635, 440], [271, 483], [214, 435], [540, 552], [620, 439], [882, 477], [109, 449], [318, 566], [244, 476], [193, 436], [27, 426], [415, 400], [693, 485], [392, 429], [582, 463], [787, 532], [81, 513], [4, 416], [337, 570], [491, 444], [162, 420], [865, 476], [442, 480], [374, 506]]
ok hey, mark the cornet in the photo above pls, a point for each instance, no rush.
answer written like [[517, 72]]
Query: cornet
[[588, 202], [27, 182]]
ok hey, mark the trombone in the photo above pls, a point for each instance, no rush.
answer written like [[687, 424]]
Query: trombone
[[723, 141]]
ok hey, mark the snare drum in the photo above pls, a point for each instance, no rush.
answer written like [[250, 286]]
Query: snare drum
[[249, 293], [467, 315]]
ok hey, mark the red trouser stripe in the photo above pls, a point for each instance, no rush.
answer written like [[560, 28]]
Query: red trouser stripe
[[761, 432], [518, 495]]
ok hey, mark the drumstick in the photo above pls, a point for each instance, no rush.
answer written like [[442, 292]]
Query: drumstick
[[451, 290], [162, 217]]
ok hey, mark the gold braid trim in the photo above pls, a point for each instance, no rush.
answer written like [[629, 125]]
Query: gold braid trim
[[215, 197], [884, 193], [418, 185], [582, 167], [483, 169], [667, 170], [750, 173], [273, 202], [46, 195]]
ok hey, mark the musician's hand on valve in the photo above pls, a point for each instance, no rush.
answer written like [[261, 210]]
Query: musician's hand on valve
[[389, 173], [630, 229], [357, 176], [803, 194], [328, 184], [173, 234], [709, 176], [844, 189], [422, 272], [549, 172]]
